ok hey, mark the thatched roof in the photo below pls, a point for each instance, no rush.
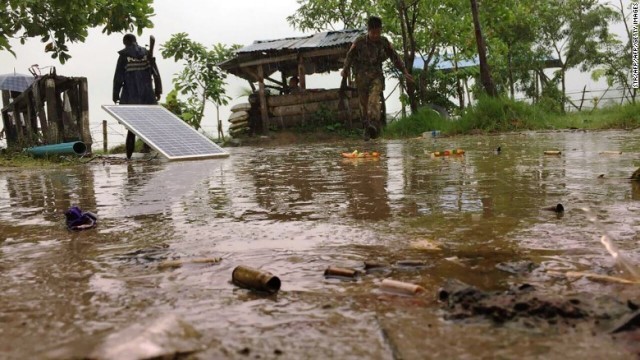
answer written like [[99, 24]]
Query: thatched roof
[[322, 52]]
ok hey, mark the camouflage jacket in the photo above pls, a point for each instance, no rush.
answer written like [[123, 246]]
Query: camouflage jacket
[[367, 57]]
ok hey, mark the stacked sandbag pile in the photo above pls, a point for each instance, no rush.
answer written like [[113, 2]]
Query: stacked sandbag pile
[[239, 119]]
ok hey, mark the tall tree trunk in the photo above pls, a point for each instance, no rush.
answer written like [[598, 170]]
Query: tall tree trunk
[[458, 84], [485, 72], [407, 25], [510, 64]]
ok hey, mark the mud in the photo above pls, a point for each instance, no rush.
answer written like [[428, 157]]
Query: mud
[[296, 209]]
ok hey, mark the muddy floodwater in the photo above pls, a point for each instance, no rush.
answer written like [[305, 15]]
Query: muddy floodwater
[[294, 210]]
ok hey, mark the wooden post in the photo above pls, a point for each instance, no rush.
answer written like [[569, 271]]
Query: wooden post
[[32, 125], [301, 73], [52, 112], [105, 146], [18, 125], [9, 129], [85, 131], [32, 112], [6, 96], [41, 113], [263, 101]]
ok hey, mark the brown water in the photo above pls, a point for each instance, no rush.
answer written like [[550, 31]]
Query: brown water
[[294, 210]]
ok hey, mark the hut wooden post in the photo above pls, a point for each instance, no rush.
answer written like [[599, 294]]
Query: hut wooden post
[[105, 145], [6, 96], [85, 131], [301, 73], [263, 101], [52, 112], [40, 112], [31, 120]]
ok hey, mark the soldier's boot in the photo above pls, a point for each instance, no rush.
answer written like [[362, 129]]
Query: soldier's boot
[[130, 143], [370, 130], [373, 131]]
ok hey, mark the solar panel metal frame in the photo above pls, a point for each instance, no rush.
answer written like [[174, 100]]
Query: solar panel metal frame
[[139, 131]]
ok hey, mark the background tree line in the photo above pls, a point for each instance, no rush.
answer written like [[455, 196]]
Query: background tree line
[[520, 37]]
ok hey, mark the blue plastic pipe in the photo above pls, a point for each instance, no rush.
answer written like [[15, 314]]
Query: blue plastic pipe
[[76, 147]]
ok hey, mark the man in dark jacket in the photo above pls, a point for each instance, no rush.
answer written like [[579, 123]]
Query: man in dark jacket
[[134, 80], [367, 53]]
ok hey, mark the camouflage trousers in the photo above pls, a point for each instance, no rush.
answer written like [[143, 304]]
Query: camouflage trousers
[[369, 95]]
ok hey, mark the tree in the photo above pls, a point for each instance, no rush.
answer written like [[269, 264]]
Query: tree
[[323, 15], [201, 79], [577, 31], [617, 64], [58, 22], [485, 72]]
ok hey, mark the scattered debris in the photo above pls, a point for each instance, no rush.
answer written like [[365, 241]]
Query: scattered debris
[[517, 267], [342, 273], [254, 279], [401, 287], [165, 337], [556, 208], [178, 263]]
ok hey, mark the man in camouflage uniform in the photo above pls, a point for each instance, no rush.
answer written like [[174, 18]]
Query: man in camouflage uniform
[[367, 53], [136, 81]]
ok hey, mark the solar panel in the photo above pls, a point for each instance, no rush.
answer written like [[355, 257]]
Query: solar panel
[[165, 132]]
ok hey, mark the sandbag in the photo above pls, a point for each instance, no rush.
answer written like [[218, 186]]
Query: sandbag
[[238, 116], [241, 107]]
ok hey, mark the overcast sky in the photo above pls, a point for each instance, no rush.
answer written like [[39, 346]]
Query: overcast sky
[[207, 22]]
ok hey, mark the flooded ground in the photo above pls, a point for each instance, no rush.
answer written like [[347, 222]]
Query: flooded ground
[[295, 210]]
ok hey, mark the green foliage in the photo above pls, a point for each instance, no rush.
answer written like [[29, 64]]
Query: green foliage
[[501, 114], [58, 22], [424, 120], [201, 80], [322, 15]]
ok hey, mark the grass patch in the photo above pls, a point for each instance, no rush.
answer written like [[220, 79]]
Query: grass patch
[[490, 115]]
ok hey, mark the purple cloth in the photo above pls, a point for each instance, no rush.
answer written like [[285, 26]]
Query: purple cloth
[[79, 220]]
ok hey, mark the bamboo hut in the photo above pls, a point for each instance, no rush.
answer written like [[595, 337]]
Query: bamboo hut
[[300, 56], [53, 110]]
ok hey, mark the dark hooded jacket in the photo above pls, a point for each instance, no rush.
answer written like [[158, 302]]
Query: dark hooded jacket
[[135, 77]]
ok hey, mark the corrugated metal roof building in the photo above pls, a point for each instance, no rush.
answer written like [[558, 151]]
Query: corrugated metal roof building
[[316, 53]]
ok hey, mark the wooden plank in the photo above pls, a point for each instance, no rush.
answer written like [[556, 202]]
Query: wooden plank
[[18, 126], [53, 137], [310, 107], [41, 113], [71, 119], [85, 130], [306, 96], [264, 114], [290, 121]]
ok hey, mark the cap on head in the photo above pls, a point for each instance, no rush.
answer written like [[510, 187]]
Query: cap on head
[[129, 39], [374, 22]]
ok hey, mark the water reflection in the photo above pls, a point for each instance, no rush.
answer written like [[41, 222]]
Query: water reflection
[[294, 210]]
